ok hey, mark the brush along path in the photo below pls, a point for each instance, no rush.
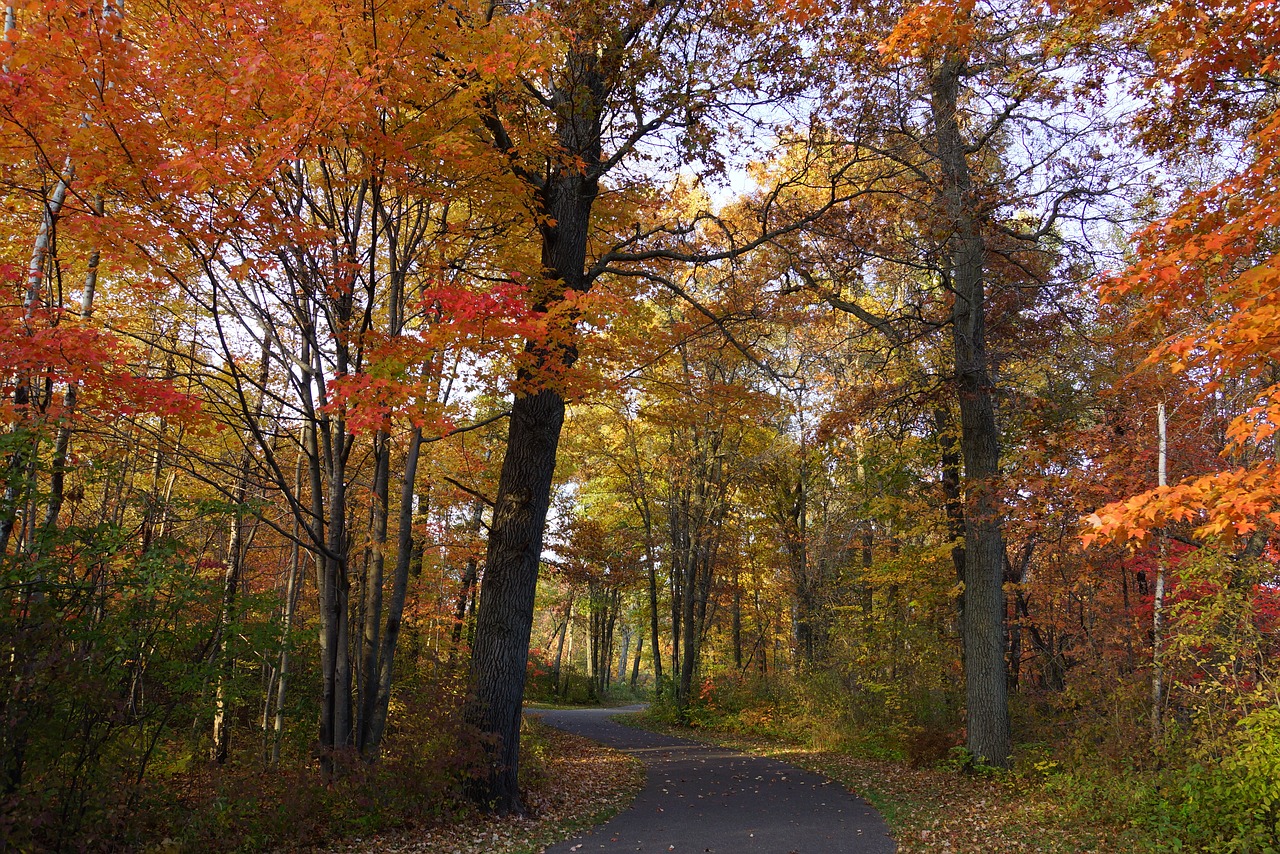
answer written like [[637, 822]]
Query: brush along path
[[716, 801], [577, 783], [941, 811]]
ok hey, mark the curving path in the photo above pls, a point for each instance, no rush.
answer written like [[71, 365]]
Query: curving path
[[710, 800]]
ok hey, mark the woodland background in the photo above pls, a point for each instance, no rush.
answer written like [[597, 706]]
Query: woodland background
[[899, 378]]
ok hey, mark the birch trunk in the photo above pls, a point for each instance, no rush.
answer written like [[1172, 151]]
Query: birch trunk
[[236, 548], [1157, 605]]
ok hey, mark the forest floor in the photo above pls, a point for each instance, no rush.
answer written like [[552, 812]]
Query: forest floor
[[938, 811], [573, 783]]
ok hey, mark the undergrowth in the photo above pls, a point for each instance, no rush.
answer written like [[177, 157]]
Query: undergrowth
[[1206, 786]]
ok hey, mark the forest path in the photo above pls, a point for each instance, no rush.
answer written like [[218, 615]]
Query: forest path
[[711, 800]]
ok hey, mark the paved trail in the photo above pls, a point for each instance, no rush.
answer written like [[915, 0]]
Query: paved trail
[[710, 800]]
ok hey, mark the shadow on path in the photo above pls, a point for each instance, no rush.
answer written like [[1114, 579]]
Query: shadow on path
[[711, 800]]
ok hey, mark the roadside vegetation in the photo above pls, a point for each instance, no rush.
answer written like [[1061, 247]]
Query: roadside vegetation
[[1074, 792]]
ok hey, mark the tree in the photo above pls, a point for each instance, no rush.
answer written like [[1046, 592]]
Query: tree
[[1213, 257], [625, 76], [961, 234]]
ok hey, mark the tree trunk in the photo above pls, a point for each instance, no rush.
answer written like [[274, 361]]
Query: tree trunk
[[15, 482], [1157, 603], [226, 662], [563, 632], [689, 639], [562, 688], [395, 608], [651, 558], [624, 657], [736, 620], [505, 618], [62, 443], [677, 565], [986, 685], [470, 575], [370, 671], [290, 608], [236, 548], [953, 501], [635, 667], [499, 656]]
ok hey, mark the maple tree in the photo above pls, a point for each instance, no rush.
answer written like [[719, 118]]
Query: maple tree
[[1207, 271]]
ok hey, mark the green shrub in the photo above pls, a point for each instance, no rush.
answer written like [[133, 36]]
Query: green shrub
[[1228, 804], [820, 709]]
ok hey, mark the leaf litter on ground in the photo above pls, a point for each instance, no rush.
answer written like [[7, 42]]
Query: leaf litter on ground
[[937, 810], [580, 784]]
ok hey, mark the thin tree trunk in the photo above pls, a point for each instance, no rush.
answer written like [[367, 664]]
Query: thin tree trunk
[[689, 640], [953, 502], [20, 460], [568, 653], [290, 606], [561, 631], [399, 591], [635, 667], [372, 639], [1157, 606], [624, 656], [470, 576], [236, 549], [736, 620], [230, 585], [62, 441], [650, 553]]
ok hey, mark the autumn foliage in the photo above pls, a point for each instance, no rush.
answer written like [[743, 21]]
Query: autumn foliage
[[793, 366]]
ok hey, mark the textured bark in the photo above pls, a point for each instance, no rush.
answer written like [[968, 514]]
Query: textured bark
[[986, 686], [505, 617], [953, 500]]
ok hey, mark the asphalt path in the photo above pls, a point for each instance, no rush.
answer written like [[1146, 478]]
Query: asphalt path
[[709, 800]]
